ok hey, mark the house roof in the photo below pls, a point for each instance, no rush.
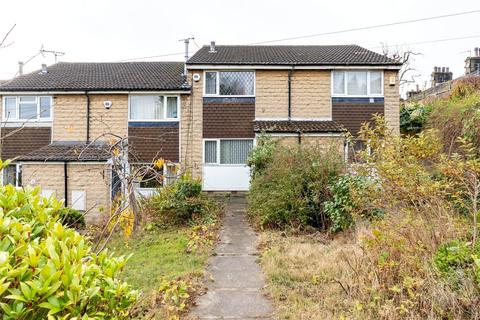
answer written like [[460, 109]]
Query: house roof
[[111, 76], [289, 55], [69, 151], [290, 126]]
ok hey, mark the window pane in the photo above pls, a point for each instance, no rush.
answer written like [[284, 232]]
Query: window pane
[[10, 108], [172, 107], [210, 82], [357, 83], [375, 82], [146, 107], [45, 107], [210, 151], [27, 111], [237, 83], [10, 175], [235, 151], [28, 99], [339, 82]]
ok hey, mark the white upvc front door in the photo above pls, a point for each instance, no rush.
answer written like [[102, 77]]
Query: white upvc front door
[[224, 164]]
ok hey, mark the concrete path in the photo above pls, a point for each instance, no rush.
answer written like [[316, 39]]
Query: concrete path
[[235, 291]]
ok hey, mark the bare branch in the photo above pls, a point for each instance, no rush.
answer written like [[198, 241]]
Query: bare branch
[[2, 43]]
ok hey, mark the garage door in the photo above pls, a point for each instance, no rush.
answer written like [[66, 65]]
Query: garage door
[[225, 164]]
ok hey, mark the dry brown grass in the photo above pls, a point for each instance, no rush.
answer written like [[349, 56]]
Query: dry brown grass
[[305, 276]]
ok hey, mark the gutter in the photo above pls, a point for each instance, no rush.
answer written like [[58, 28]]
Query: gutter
[[65, 182], [88, 116], [290, 71]]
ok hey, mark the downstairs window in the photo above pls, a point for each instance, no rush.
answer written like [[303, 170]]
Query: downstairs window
[[227, 151]]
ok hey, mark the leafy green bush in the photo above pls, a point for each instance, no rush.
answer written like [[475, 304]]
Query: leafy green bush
[[71, 218], [413, 117], [48, 270], [262, 155], [182, 202], [342, 204], [456, 255], [291, 189]]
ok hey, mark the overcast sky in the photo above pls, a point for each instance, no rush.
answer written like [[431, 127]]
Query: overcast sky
[[114, 30]]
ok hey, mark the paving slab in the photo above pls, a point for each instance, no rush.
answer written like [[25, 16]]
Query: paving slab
[[235, 289]]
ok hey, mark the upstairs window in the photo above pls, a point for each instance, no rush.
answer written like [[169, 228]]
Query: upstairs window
[[229, 83], [357, 83], [153, 108], [27, 108]]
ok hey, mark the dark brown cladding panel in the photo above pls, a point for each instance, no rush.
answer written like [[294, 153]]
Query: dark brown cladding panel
[[21, 141], [352, 115], [228, 120], [150, 142]]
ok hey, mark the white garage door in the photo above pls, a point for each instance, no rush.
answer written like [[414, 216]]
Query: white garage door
[[224, 167]]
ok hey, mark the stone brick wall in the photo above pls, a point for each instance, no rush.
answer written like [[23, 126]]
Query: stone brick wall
[[271, 94], [392, 101], [70, 117], [103, 121], [191, 125], [311, 95], [324, 142], [94, 179]]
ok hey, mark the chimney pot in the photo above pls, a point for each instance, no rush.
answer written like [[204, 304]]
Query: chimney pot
[[20, 68], [448, 69], [44, 68], [212, 47]]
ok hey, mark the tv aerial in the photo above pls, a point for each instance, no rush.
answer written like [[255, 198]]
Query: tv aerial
[[56, 54]]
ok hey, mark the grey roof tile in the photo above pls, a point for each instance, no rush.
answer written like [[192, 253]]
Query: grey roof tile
[[290, 55], [111, 76], [291, 126], [72, 151]]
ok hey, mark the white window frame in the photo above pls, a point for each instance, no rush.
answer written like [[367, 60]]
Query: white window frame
[[165, 119], [17, 109], [218, 152], [18, 172], [345, 94], [217, 94]]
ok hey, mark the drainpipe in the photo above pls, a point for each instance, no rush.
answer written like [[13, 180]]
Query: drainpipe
[[290, 93], [299, 137], [88, 116], [65, 182]]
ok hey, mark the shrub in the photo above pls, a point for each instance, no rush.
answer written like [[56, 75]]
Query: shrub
[[457, 117], [413, 117], [182, 202], [341, 206], [262, 155], [72, 218], [48, 270], [394, 277], [292, 188], [456, 255]]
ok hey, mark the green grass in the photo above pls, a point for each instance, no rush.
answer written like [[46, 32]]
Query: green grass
[[159, 255]]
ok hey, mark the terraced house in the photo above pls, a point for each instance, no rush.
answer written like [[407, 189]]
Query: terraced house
[[204, 115]]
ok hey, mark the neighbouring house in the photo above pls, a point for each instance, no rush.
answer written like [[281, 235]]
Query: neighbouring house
[[57, 123], [442, 81]]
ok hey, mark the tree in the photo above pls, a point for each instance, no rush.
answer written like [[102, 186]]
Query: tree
[[407, 73]]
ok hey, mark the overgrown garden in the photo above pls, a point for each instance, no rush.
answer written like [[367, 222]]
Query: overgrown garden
[[393, 235]]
